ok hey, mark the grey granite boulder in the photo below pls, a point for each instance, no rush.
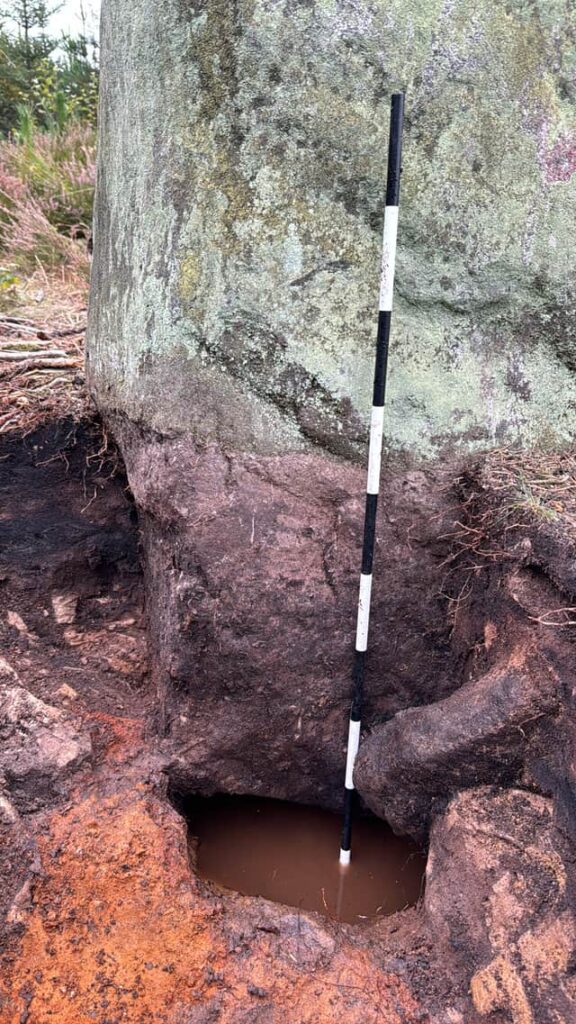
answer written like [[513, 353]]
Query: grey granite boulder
[[239, 215]]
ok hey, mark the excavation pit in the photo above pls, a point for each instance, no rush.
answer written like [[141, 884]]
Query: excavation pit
[[288, 853]]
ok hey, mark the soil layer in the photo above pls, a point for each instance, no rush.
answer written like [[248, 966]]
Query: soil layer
[[103, 919]]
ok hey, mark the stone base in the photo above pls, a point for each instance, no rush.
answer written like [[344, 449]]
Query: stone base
[[252, 570]]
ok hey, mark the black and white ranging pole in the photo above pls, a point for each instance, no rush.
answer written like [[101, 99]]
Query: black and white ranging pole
[[375, 457]]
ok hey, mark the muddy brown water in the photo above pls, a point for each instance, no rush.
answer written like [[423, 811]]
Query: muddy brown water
[[289, 853]]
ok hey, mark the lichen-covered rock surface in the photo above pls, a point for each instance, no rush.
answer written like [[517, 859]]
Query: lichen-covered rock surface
[[239, 213]]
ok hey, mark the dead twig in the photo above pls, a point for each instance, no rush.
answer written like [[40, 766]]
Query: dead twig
[[27, 355], [544, 620], [70, 332]]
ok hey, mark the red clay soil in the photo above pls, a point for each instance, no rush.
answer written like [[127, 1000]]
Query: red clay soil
[[121, 931]]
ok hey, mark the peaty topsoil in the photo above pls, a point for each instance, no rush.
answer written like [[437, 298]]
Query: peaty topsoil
[[70, 575]]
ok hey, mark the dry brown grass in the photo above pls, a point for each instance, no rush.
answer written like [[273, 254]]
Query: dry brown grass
[[517, 489], [512, 490], [505, 497]]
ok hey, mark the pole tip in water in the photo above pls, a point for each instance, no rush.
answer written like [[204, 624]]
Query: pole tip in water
[[344, 858]]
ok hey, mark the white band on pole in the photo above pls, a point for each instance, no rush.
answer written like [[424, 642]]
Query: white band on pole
[[353, 745], [363, 612], [388, 258], [375, 457]]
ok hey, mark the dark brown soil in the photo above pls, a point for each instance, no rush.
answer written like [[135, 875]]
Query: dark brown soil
[[69, 551]]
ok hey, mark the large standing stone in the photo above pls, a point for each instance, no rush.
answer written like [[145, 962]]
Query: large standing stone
[[241, 186], [237, 241]]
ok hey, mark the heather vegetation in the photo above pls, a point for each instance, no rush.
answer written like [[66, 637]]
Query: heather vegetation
[[48, 99]]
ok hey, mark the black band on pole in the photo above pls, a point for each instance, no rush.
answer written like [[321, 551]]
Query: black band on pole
[[395, 149], [372, 490], [382, 346], [369, 533], [346, 839]]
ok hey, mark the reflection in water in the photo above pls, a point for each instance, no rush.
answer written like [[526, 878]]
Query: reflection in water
[[289, 854]]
